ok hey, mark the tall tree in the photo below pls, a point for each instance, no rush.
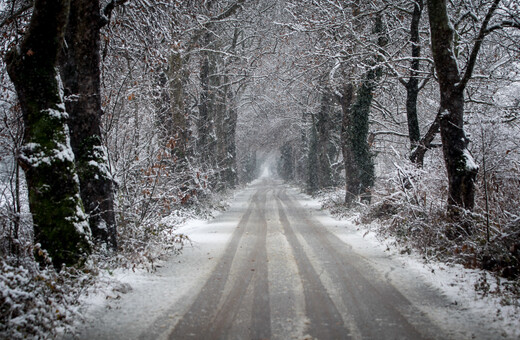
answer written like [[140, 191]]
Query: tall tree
[[356, 145], [313, 179], [80, 71], [324, 132], [210, 82], [412, 85], [462, 169], [60, 224]]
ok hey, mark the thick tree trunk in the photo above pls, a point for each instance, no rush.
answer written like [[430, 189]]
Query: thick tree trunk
[[286, 165], [81, 76], [313, 159], [206, 143], [351, 181], [229, 125], [460, 166], [359, 163], [179, 124], [363, 176], [323, 129], [60, 225]]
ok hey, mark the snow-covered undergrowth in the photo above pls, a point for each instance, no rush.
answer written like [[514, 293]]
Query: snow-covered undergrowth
[[408, 212], [43, 303], [38, 303]]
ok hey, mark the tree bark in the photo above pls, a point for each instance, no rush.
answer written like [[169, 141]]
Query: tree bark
[[229, 124], [323, 129], [206, 142], [359, 162], [351, 181], [425, 143], [313, 159], [80, 70], [412, 86], [179, 126], [60, 224], [460, 166], [363, 175]]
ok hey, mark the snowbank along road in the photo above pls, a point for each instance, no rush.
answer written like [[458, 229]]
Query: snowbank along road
[[273, 267]]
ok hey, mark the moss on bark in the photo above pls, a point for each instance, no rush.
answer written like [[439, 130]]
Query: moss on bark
[[59, 221]]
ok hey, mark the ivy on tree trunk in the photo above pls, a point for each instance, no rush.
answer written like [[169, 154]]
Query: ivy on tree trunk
[[60, 224], [359, 162]]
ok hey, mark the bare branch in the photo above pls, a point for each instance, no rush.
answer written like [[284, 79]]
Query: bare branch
[[18, 13], [476, 48]]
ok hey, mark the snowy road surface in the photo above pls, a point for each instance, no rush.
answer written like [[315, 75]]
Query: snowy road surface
[[275, 267]]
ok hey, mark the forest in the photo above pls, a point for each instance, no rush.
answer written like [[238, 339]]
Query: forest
[[121, 119]]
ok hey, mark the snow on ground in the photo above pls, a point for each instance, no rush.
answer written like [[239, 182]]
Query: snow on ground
[[454, 281], [130, 303], [117, 309]]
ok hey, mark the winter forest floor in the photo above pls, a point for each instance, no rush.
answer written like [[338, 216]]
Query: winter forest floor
[[268, 267]]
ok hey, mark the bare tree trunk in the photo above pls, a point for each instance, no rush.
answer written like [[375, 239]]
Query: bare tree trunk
[[80, 66], [425, 143], [206, 143], [412, 86], [461, 168], [179, 128], [60, 225], [313, 159], [229, 124], [351, 181], [323, 129]]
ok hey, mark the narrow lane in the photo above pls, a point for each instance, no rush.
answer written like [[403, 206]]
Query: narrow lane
[[336, 293], [214, 313], [275, 267]]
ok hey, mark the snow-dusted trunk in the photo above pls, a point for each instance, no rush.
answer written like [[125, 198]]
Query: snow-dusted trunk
[[60, 224], [227, 138], [460, 166], [323, 129], [206, 143], [412, 86], [313, 159], [351, 181], [359, 160], [361, 176], [179, 126], [81, 76]]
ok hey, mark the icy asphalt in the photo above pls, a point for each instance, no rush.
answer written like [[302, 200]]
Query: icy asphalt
[[274, 266]]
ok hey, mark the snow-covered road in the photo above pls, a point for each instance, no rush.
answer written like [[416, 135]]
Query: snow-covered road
[[276, 267]]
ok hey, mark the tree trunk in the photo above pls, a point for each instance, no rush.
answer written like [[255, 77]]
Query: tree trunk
[[312, 170], [460, 166], [81, 76], [323, 129], [206, 142], [363, 175], [229, 135], [60, 224], [412, 86], [359, 163], [179, 126], [425, 143], [351, 181]]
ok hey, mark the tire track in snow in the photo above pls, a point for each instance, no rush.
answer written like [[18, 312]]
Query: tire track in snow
[[324, 319], [212, 315], [378, 309]]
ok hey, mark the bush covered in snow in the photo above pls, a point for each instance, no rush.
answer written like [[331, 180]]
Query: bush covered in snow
[[409, 207], [37, 303]]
